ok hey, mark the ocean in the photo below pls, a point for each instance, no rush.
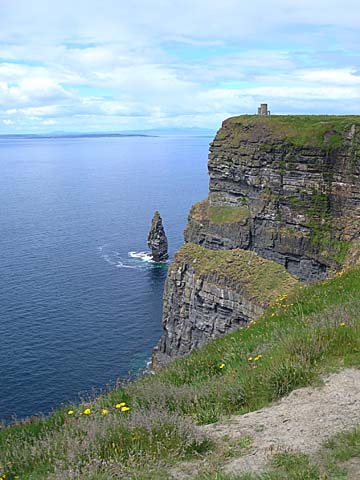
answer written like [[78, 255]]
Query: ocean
[[79, 307]]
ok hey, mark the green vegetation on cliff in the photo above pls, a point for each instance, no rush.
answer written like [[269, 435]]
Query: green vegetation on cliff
[[218, 214], [322, 131], [312, 330], [240, 269]]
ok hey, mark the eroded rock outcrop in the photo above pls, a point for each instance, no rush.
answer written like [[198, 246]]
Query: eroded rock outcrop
[[157, 240], [208, 293]]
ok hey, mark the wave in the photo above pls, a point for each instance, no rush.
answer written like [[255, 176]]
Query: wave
[[134, 260], [144, 256]]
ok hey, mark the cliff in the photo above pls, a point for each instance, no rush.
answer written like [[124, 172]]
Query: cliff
[[284, 202], [209, 293], [286, 187]]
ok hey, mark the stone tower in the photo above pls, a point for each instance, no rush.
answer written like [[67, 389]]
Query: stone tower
[[263, 109]]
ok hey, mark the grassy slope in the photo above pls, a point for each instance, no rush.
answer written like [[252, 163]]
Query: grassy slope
[[299, 337]]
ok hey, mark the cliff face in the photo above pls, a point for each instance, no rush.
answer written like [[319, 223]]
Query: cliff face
[[209, 293], [287, 188]]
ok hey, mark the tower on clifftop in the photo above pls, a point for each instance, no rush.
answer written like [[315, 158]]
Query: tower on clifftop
[[263, 109]]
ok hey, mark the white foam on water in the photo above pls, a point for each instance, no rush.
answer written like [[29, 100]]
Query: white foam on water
[[144, 256], [134, 260], [109, 260], [101, 248]]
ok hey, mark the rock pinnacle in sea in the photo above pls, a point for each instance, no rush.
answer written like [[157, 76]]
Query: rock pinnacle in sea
[[157, 240]]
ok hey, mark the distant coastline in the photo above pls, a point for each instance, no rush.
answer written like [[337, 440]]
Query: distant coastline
[[73, 135], [150, 133]]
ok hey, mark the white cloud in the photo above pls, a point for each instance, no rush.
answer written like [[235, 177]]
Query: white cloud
[[137, 64]]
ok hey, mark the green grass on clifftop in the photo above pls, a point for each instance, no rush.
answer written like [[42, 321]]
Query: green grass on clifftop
[[327, 131], [314, 330]]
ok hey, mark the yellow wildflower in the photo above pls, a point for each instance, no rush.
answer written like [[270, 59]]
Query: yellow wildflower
[[250, 358], [342, 324], [87, 411], [222, 365], [125, 409], [119, 405], [70, 412], [104, 411]]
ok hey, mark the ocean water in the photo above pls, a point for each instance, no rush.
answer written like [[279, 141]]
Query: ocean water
[[78, 306]]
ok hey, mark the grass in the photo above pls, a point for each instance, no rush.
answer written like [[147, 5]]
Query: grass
[[219, 215], [313, 330], [345, 445], [320, 131], [228, 214], [242, 270]]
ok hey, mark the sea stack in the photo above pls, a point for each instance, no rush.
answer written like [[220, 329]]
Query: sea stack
[[157, 240]]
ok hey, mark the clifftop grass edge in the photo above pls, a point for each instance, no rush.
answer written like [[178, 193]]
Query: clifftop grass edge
[[242, 270], [321, 131]]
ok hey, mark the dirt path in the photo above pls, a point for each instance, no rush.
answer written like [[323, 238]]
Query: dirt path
[[301, 422]]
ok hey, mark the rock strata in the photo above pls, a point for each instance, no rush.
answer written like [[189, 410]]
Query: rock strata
[[284, 199], [157, 240], [297, 177], [209, 293]]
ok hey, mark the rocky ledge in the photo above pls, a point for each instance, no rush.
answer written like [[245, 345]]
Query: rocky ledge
[[209, 293]]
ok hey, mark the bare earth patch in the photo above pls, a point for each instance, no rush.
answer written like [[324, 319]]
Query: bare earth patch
[[300, 422]]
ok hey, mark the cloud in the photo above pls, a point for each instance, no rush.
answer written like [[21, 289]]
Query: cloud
[[112, 64]]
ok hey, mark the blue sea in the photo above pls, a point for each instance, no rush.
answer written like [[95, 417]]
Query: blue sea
[[78, 307]]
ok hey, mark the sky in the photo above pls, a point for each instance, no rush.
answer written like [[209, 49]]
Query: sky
[[116, 65]]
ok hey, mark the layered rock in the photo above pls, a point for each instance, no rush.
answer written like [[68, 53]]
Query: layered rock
[[208, 293], [285, 187], [157, 240], [296, 180]]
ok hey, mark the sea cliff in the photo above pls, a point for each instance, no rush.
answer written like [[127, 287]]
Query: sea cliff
[[286, 189], [209, 293]]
